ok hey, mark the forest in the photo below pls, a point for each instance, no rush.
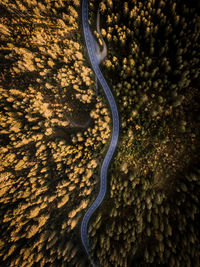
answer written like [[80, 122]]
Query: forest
[[55, 130], [151, 212]]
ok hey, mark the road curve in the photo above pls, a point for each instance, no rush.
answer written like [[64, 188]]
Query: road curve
[[104, 52], [115, 126]]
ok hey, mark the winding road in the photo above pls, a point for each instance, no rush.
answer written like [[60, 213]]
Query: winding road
[[90, 44]]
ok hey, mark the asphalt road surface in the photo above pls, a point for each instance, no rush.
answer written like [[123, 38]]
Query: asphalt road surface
[[115, 125]]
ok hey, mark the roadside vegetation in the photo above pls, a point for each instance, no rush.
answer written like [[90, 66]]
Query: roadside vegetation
[[52, 131], [151, 212]]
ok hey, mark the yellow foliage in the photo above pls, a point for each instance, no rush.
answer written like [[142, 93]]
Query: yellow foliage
[[63, 201], [34, 212], [73, 223], [20, 165], [40, 110], [32, 231], [16, 127]]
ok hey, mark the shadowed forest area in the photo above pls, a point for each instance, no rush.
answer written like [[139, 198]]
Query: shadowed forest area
[[54, 132], [151, 212]]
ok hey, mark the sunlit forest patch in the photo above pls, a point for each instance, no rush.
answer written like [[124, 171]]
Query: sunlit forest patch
[[52, 130]]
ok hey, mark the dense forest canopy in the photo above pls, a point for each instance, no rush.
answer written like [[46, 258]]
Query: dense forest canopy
[[151, 213], [54, 132]]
